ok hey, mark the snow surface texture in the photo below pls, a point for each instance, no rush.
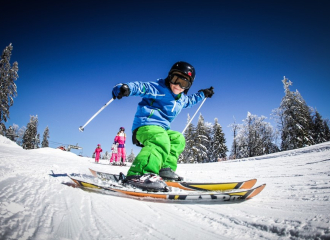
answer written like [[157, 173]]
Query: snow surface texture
[[34, 205]]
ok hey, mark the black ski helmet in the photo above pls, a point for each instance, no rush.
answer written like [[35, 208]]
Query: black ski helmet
[[185, 68]]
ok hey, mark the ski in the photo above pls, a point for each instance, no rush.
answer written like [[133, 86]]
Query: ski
[[188, 186], [233, 195]]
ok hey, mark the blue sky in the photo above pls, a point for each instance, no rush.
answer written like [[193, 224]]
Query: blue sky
[[71, 54]]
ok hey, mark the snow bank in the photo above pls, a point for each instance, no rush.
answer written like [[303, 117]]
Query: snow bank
[[7, 142]]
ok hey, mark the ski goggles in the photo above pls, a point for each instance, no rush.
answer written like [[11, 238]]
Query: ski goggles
[[180, 80]]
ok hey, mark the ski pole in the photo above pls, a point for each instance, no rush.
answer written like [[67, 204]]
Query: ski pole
[[81, 129], [193, 116]]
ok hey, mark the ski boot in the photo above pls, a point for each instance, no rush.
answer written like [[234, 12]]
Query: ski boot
[[169, 174], [148, 182]]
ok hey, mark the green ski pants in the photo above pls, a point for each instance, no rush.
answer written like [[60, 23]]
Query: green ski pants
[[161, 150]]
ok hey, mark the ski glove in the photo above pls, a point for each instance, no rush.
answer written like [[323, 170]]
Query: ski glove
[[120, 90], [208, 93]]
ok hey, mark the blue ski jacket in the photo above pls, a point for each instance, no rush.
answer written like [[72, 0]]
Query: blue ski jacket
[[159, 105]]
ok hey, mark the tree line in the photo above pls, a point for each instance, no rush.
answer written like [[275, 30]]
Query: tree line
[[298, 125], [28, 136], [204, 143]]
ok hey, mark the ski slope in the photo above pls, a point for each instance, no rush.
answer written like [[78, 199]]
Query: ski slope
[[294, 205]]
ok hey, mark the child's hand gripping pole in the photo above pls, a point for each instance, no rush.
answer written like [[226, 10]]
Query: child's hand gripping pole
[[81, 129]]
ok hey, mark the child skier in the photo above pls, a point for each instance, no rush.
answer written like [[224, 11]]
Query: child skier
[[97, 152], [121, 139], [161, 102], [114, 155]]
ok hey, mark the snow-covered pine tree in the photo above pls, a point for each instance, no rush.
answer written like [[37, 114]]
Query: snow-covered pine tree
[[234, 149], [268, 137], [30, 135], [131, 156], [45, 142], [2, 129], [37, 142], [326, 129], [189, 135], [208, 144], [244, 138], [8, 89], [10, 133], [201, 141], [20, 133], [106, 156], [255, 137], [294, 120], [218, 148]]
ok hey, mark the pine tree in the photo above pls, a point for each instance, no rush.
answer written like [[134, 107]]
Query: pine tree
[[218, 148], [189, 134], [131, 157], [37, 142], [20, 133], [201, 140], [234, 148], [45, 137], [255, 137], [326, 129], [8, 89], [209, 144], [294, 119], [106, 156], [30, 135], [10, 133], [2, 129]]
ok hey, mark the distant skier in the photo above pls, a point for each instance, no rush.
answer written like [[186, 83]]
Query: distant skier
[[114, 155], [161, 102], [121, 140], [97, 152]]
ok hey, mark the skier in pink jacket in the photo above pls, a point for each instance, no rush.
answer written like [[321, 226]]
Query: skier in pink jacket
[[121, 139], [97, 152]]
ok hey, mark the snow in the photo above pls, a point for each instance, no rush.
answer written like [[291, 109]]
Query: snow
[[34, 205]]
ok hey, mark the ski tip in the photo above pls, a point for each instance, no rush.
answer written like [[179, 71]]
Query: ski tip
[[93, 172], [81, 129], [256, 191], [248, 184]]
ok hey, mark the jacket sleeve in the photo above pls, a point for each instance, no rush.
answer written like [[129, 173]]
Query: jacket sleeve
[[194, 99], [144, 89]]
